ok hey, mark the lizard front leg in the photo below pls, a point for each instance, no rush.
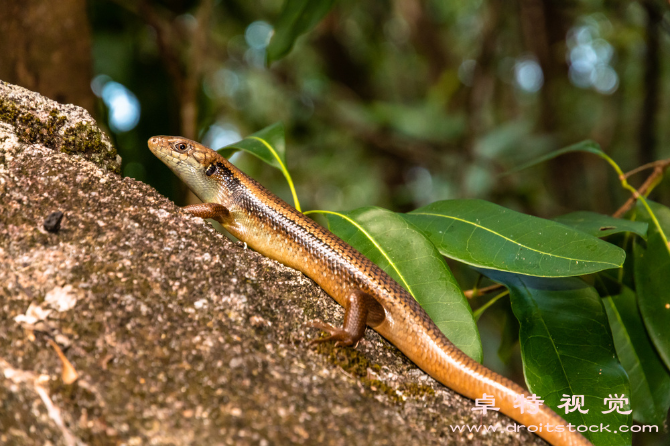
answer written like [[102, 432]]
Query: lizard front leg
[[214, 211]]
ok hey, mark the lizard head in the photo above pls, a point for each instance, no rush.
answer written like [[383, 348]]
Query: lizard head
[[204, 171]]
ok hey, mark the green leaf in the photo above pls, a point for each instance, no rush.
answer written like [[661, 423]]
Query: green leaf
[[509, 337], [392, 243], [650, 380], [599, 225], [587, 146], [652, 269], [621, 276], [486, 235], [567, 349], [297, 18], [269, 145]]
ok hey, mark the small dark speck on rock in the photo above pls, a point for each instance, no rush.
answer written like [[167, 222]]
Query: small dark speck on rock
[[52, 222]]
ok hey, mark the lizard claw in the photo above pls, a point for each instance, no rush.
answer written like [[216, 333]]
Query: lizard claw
[[340, 336], [322, 326]]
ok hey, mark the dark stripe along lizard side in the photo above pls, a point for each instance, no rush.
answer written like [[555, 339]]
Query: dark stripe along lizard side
[[369, 295]]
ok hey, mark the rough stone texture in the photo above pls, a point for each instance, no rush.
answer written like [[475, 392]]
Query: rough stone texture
[[178, 335], [65, 128]]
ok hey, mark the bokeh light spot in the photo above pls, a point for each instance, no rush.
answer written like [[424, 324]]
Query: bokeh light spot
[[528, 75], [221, 135], [258, 34], [604, 79], [124, 108], [590, 56]]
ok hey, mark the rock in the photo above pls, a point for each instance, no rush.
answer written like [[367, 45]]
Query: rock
[[65, 128], [174, 334]]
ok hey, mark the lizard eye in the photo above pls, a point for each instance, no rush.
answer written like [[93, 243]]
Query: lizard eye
[[180, 147], [210, 170]]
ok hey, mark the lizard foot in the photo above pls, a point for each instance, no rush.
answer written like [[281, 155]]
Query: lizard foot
[[339, 335]]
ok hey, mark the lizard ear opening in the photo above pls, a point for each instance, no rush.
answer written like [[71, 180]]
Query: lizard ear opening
[[210, 170]]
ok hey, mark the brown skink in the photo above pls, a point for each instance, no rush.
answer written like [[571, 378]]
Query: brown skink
[[369, 296]]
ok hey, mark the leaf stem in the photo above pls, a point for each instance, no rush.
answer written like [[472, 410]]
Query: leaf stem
[[477, 314], [476, 291], [649, 184], [638, 196], [283, 169]]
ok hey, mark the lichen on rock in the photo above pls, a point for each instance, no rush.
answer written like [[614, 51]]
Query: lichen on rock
[[66, 128]]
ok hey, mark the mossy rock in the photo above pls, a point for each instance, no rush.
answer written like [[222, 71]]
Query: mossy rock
[[65, 128]]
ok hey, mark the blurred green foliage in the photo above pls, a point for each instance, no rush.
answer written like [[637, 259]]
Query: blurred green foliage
[[394, 103]]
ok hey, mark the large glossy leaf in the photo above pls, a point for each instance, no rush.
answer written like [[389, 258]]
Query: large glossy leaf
[[599, 225], [486, 235], [269, 145], [649, 379], [297, 18], [411, 260], [652, 269], [567, 349]]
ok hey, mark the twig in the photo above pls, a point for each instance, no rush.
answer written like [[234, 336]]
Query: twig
[[659, 163], [643, 190], [477, 314], [480, 291], [69, 374]]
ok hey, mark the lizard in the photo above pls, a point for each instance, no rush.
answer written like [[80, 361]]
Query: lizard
[[370, 297]]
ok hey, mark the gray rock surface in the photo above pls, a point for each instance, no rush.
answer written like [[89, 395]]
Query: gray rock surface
[[176, 335], [66, 128]]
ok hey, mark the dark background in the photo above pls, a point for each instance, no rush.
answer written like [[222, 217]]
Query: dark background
[[388, 103]]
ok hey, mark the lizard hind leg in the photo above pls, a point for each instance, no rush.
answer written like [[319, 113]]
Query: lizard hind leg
[[360, 309]]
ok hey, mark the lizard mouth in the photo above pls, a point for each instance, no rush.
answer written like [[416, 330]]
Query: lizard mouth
[[154, 144]]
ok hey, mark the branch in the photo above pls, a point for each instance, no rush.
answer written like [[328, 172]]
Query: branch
[[475, 292], [646, 187]]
